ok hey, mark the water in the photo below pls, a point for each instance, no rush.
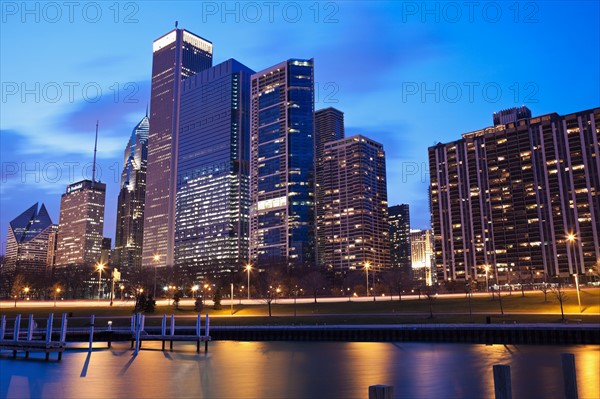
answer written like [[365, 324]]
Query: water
[[298, 370]]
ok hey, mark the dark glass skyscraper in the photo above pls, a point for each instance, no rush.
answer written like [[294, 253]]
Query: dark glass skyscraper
[[399, 220], [130, 205], [282, 166], [176, 56], [211, 233]]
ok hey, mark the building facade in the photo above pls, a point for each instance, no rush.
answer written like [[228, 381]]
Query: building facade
[[329, 126], [81, 224], [421, 247], [400, 249], [213, 203], [175, 56], [519, 198], [354, 229], [130, 204], [282, 165]]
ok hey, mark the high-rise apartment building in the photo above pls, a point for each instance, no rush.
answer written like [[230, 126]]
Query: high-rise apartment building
[[27, 244], [329, 126], [130, 205], [177, 55], [354, 229], [400, 249], [282, 165], [519, 198], [212, 211], [81, 224], [421, 247]]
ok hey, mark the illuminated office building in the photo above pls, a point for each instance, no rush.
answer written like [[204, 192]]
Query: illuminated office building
[[176, 56], [212, 211], [354, 229], [282, 165], [130, 205], [519, 198], [400, 249], [421, 252], [81, 224]]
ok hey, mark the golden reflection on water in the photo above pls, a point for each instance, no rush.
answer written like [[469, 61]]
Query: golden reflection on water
[[298, 370]]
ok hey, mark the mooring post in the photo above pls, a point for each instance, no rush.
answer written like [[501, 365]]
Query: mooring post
[[2, 326], [569, 375], [49, 333], [29, 332], [17, 327], [198, 333], [381, 392], [172, 331], [138, 322], [163, 330], [92, 318], [133, 330], [502, 384], [207, 333]]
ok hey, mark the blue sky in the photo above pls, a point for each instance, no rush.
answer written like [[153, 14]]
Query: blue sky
[[407, 74]]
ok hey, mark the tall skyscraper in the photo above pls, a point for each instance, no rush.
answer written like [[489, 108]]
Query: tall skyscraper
[[211, 233], [27, 243], [130, 205], [354, 230], [81, 224], [282, 167], [177, 55], [421, 251], [399, 221], [329, 126], [519, 198]]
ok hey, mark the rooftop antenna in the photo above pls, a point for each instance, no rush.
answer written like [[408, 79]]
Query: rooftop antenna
[[176, 23], [94, 164], [146, 110]]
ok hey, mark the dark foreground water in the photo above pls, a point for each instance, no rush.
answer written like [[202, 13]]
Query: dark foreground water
[[298, 370]]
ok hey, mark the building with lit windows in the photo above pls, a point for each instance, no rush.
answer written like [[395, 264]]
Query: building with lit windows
[[282, 165], [421, 252], [175, 56], [520, 197], [354, 229], [212, 211], [400, 249], [130, 204], [81, 224]]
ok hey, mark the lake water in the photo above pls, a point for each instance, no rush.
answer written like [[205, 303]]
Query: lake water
[[297, 370]]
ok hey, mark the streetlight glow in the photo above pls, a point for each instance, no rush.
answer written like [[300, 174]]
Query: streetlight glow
[[100, 267], [367, 265], [248, 269]]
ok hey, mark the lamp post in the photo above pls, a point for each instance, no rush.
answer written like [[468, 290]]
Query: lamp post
[[571, 237], [122, 287], [487, 284], [248, 268], [100, 268], [367, 265], [156, 260], [26, 291], [56, 292]]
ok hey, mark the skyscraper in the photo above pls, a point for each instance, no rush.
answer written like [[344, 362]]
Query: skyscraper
[[329, 126], [81, 224], [130, 205], [519, 199], [177, 55], [27, 243], [421, 251], [354, 230], [400, 249], [282, 213], [212, 212]]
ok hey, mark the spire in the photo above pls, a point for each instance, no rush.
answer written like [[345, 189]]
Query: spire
[[146, 110], [94, 164], [176, 23]]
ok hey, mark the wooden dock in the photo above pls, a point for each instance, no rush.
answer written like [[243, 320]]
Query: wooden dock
[[31, 342], [139, 334]]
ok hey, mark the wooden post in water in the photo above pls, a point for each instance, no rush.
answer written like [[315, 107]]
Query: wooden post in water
[[208, 332], [198, 333], [16, 329], [502, 384], [163, 330], [63, 333], [569, 375], [2, 326], [381, 392], [92, 318], [138, 322], [29, 332], [172, 331]]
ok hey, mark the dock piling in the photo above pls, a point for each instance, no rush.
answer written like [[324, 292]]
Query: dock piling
[[569, 375], [502, 383]]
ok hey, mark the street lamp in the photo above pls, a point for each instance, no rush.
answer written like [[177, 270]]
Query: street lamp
[[156, 260], [26, 291], [367, 265], [248, 268], [487, 284], [56, 292], [100, 267], [195, 290], [122, 287], [571, 237]]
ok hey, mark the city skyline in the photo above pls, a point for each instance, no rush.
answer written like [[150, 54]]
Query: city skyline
[[70, 124]]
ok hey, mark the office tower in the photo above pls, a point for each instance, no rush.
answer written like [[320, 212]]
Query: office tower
[[106, 251], [355, 228], [329, 126], [282, 213], [27, 243], [81, 224], [175, 56], [212, 211], [399, 221], [52, 243], [518, 199], [421, 250], [130, 205]]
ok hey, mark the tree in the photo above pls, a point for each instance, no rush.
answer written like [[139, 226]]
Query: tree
[[18, 285], [431, 295], [561, 296], [397, 281], [140, 303], [313, 282], [544, 288], [198, 305], [217, 299], [176, 298], [150, 305]]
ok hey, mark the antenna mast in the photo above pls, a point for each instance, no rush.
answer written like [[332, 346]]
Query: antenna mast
[[94, 164]]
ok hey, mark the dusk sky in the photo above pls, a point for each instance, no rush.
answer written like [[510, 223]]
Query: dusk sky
[[406, 74]]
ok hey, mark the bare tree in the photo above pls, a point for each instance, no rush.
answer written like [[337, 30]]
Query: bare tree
[[18, 285], [544, 288], [561, 296], [431, 295], [397, 281], [313, 282]]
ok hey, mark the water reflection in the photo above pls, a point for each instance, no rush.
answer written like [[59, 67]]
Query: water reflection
[[298, 370]]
